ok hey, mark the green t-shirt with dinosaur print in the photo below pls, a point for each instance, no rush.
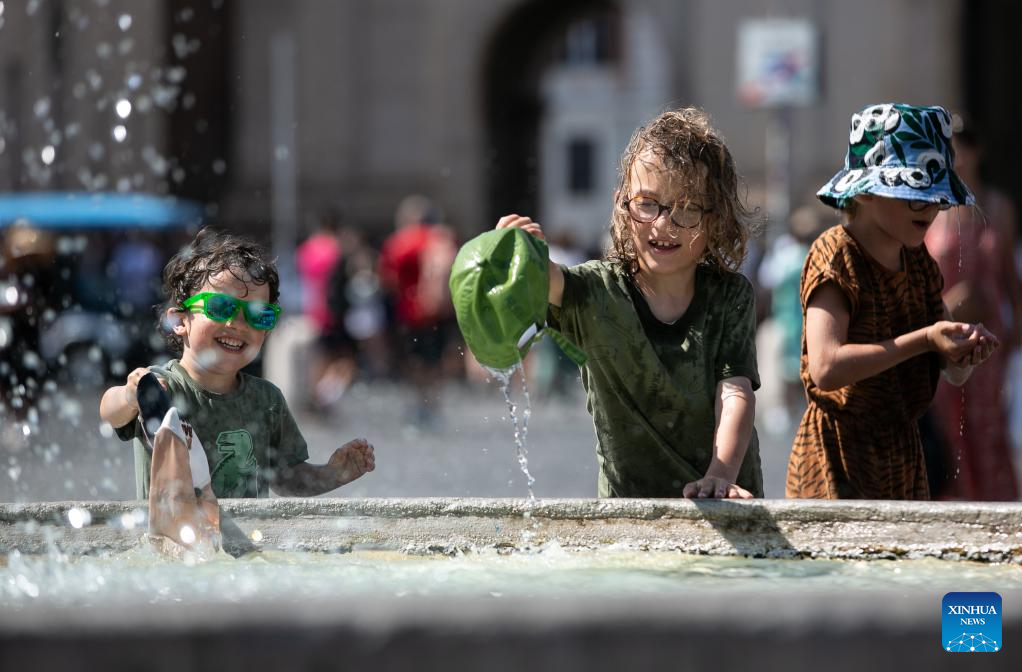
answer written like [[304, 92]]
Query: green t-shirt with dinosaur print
[[247, 433], [650, 386]]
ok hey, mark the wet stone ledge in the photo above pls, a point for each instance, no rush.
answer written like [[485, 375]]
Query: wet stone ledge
[[760, 528]]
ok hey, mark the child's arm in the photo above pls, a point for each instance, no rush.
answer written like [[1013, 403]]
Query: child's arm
[[347, 463], [735, 410], [118, 406], [835, 363], [556, 292]]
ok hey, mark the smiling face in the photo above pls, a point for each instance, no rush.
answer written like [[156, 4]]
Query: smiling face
[[216, 351], [662, 247], [893, 218]]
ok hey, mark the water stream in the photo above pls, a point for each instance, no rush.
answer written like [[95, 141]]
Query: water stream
[[521, 430]]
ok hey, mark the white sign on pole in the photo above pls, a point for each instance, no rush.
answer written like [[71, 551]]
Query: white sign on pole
[[777, 62]]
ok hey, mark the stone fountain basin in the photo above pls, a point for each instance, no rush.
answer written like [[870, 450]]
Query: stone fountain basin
[[850, 630]]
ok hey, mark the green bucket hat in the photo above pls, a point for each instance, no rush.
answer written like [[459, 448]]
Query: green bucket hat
[[499, 285]]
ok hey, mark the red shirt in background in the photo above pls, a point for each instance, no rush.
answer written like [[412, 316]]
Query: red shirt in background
[[400, 269]]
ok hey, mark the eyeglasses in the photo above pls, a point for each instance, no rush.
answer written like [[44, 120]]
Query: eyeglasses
[[919, 206], [647, 210], [224, 308]]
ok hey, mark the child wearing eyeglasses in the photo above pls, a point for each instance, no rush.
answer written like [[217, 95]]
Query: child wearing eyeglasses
[[221, 294], [667, 321], [876, 332]]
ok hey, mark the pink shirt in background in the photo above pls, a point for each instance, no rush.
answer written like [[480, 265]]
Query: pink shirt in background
[[316, 259]]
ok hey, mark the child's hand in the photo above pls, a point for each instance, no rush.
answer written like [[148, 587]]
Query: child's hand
[[983, 345], [715, 487], [352, 460], [131, 387], [520, 222], [954, 341]]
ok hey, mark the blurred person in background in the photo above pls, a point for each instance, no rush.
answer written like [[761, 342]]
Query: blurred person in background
[[779, 276], [974, 248], [414, 268], [316, 259], [356, 301], [135, 265]]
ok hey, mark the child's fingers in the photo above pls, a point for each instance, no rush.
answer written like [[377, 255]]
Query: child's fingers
[[363, 454], [135, 376], [506, 221], [738, 492], [524, 223]]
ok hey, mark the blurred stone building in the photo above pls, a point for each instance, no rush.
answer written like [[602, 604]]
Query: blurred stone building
[[270, 111]]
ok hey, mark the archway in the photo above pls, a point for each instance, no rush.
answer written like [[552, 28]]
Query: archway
[[523, 46], [562, 103]]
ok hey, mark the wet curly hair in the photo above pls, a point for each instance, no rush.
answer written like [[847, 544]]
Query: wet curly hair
[[687, 144], [210, 253]]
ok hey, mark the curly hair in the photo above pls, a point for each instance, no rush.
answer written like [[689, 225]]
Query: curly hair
[[210, 253], [687, 145]]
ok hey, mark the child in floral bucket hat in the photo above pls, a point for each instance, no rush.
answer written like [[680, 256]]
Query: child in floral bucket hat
[[876, 333]]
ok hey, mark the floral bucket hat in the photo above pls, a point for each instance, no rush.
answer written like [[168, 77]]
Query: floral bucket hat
[[899, 151]]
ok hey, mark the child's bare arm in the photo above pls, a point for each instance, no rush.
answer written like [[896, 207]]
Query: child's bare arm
[[835, 363], [347, 463], [556, 275], [735, 410], [118, 406]]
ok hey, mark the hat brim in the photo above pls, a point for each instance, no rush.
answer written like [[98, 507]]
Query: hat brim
[[909, 184]]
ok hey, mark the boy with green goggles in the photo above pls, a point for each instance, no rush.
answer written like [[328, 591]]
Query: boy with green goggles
[[250, 438]]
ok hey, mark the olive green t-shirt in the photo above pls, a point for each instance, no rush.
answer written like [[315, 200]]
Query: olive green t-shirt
[[247, 434], [651, 387]]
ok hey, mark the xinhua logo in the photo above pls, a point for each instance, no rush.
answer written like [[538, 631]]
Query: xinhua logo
[[971, 622]]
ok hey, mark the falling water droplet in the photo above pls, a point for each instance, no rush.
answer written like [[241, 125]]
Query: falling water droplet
[[124, 22], [961, 419], [78, 517]]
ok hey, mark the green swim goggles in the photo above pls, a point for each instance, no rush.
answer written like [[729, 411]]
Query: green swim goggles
[[224, 308]]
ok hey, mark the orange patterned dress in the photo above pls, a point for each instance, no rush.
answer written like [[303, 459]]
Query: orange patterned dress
[[862, 441]]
